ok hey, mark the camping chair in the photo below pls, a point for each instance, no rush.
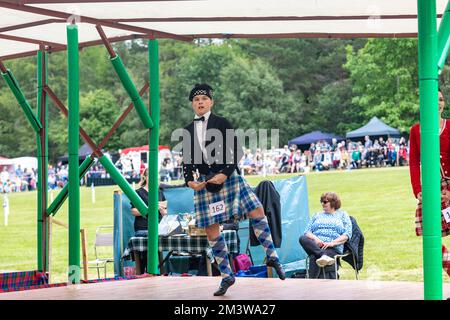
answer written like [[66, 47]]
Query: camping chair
[[357, 235], [102, 239], [337, 261]]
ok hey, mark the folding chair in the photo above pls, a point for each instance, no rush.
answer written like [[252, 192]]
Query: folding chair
[[338, 258], [102, 239], [349, 250]]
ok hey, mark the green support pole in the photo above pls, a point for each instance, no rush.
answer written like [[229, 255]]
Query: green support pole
[[429, 144], [20, 97], [74, 129], [444, 38], [132, 91], [152, 251], [62, 195], [42, 155], [124, 185]]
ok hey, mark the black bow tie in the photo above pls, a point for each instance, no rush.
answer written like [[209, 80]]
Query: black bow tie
[[202, 118]]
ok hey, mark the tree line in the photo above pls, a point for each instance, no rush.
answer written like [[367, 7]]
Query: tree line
[[294, 85]]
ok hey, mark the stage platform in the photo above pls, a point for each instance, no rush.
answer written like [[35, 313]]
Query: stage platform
[[202, 288]]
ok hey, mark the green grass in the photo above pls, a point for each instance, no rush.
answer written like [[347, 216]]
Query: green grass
[[380, 199]]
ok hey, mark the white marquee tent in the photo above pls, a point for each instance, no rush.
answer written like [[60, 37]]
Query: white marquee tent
[[25, 25]]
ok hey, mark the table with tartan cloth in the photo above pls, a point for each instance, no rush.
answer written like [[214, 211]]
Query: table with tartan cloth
[[183, 243]]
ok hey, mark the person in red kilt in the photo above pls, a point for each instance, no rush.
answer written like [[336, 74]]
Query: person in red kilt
[[414, 170]]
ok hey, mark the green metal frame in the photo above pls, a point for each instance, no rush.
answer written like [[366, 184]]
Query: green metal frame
[[433, 51], [74, 136], [15, 88], [429, 131], [152, 250], [42, 156], [62, 195], [444, 38], [130, 88]]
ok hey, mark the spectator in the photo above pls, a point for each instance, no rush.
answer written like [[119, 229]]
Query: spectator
[[166, 170], [336, 157], [325, 235], [248, 166], [317, 160], [259, 164], [51, 181], [4, 176], [140, 222], [327, 162], [297, 160], [356, 159], [19, 171], [367, 142], [345, 163]]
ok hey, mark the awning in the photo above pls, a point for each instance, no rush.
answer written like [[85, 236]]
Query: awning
[[25, 25], [375, 127]]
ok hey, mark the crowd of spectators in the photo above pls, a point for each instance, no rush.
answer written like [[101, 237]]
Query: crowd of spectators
[[319, 156], [25, 179], [17, 180]]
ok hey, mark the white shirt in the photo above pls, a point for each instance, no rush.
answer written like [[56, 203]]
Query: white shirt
[[200, 127], [4, 176]]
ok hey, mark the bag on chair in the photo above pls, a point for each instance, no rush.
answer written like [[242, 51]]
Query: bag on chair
[[242, 262]]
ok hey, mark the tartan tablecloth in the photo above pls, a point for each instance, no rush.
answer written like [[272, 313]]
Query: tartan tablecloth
[[185, 243]]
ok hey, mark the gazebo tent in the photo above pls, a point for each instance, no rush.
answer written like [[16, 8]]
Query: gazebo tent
[[26, 25], [375, 127], [37, 27], [83, 152], [314, 136]]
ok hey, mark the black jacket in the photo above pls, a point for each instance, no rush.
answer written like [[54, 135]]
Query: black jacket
[[355, 245], [270, 199], [223, 150]]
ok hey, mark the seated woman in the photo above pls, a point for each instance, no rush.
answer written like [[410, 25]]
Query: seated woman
[[140, 222], [325, 235]]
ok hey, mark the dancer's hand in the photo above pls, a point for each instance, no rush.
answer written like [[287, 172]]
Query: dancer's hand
[[197, 186], [218, 179]]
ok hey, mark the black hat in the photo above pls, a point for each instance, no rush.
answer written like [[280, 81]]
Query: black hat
[[213, 187], [202, 88]]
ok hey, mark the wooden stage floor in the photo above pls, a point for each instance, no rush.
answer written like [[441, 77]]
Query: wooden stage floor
[[202, 288]]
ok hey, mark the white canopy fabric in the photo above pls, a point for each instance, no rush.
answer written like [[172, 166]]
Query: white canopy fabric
[[25, 25]]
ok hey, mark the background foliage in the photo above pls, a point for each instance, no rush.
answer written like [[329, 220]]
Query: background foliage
[[294, 85]]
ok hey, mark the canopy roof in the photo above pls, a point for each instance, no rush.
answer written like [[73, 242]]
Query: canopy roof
[[375, 127], [25, 25], [314, 136]]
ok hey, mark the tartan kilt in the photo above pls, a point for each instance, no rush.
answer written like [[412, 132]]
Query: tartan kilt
[[238, 197], [445, 228]]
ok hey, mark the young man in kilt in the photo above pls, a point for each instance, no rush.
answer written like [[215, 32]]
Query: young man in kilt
[[211, 153], [414, 170]]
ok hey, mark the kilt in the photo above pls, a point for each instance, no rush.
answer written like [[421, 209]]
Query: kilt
[[445, 228], [238, 200], [446, 260]]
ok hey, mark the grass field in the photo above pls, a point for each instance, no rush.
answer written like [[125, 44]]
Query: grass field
[[380, 199]]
